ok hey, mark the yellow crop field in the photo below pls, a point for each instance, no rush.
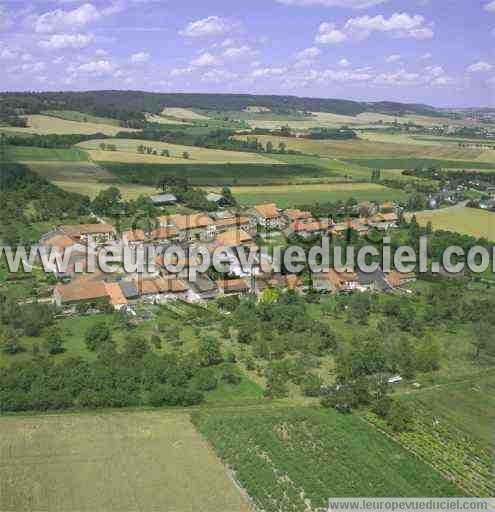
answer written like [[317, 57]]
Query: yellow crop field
[[369, 149], [114, 461], [127, 153], [467, 221], [183, 113], [46, 125]]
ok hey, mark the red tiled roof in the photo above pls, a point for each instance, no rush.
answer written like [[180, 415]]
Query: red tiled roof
[[268, 211]]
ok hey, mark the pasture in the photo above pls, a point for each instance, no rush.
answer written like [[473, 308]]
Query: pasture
[[292, 195], [118, 461], [81, 117], [183, 113], [85, 178], [368, 149], [453, 430], [413, 163], [298, 458], [35, 154], [46, 125], [153, 118], [127, 153], [467, 221]]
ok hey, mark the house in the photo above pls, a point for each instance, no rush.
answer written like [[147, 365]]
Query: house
[[233, 238], [233, 287], [333, 281], [233, 221], [273, 280], [190, 227], [134, 238], [397, 279], [163, 199], [97, 233], [129, 290], [164, 235], [218, 199], [79, 292], [58, 241], [267, 216], [361, 226], [384, 221], [117, 298], [373, 281], [291, 216], [171, 288], [202, 289], [308, 229]]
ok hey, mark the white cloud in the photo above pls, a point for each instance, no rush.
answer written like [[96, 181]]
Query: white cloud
[[308, 53], [344, 63], [205, 60], [345, 76], [218, 76], [140, 57], [61, 20], [7, 54], [401, 25], [393, 58], [426, 56], [352, 4], [490, 6], [479, 67], [238, 52], [61, 41], [58, 60], [267, 72], [401, 77], [329, 34], [96, 68], [181, 71], [26, 57], [34, 67], [207, 27], [100, 52]]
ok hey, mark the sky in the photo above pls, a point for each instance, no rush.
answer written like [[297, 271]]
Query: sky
[[438, 52]]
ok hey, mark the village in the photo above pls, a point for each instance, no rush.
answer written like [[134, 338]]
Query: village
[[261, 224]]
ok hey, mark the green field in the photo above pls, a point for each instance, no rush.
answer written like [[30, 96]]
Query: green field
[[292, 195], [453, 430], [286, 456], [412, 163], [214, 175], [119, 461], [31, 154], [467, 221], [81, 117]]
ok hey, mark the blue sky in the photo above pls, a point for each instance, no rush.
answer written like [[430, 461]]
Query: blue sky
[[439, 52]]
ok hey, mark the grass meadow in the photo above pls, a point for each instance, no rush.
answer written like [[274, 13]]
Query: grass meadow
[[81, 117], [31, 153], [467, 221], [127, 153], [112, 461], [292, 195], [45, 125]]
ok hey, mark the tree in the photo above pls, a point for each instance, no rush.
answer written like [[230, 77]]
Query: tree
[[106, 201], [186, 155], [209, 351], [136, 347], [228, 197], [269, 147], [231, 374], [97, 336], [483, 338], [400, 417], [53, 343], [10, 343], [312, 384]]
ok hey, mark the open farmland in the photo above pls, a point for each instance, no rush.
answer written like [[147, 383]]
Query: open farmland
[[453, 430], [413, 163], [153, 118], [287, 456], [183, 113], [81, 117], [35, 154], [119, 461], [292, 195], [46, 125], [367, 149], [214, 174], [85, 178], [127, 153], [467, 221]]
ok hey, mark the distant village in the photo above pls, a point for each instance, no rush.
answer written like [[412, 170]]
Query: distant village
[[121, 290]]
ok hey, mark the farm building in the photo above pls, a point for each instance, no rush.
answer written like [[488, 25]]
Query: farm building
[[163, 199], [267, 216]]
